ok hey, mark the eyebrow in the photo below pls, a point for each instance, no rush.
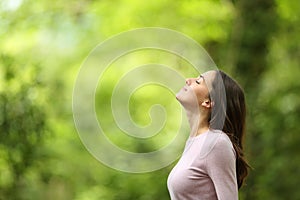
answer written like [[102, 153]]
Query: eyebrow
[[200, 76]]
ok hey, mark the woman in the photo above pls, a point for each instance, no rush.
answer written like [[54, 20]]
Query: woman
[[212, 165]]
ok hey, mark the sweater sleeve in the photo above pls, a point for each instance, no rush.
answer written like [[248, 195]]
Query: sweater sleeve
[[221, 168]]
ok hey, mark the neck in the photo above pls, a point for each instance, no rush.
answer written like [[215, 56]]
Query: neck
[[198, 123]]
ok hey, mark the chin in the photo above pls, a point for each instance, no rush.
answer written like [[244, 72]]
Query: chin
[[181, 100], [179, 97]]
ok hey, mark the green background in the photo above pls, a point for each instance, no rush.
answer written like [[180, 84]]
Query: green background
[[43, 44]]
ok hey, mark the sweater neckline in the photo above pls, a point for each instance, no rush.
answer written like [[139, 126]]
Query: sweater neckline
[[198, 136]]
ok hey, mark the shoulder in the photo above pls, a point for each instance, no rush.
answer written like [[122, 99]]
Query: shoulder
[[218, 143], [223, 142], [221, 157]]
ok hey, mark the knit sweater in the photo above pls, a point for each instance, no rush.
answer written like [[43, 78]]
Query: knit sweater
[[206, 169]]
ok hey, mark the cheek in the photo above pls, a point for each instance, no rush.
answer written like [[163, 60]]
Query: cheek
[[201, 93]]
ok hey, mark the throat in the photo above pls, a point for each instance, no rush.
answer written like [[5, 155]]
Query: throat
[[198, 125], [198, 121]]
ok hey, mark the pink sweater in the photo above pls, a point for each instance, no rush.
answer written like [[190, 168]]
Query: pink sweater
[[206, 169]]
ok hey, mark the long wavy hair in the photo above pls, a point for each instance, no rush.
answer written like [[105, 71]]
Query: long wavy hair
[[229, 115]]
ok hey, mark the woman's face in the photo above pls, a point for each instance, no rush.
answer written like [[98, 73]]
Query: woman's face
[[195, 93]]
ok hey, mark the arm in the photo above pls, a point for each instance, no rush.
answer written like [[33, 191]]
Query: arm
[[221, 168]]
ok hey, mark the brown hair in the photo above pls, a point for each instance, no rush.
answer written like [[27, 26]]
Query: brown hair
[[229, 115]]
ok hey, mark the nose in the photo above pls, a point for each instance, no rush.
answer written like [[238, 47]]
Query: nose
[[188, 81]]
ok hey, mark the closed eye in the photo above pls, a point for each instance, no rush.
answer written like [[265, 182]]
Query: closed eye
[[198, 81]]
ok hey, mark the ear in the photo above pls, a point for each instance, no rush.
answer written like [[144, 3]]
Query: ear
[[206, 103]]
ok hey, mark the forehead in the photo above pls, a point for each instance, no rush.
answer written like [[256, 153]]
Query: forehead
[[209, 77]]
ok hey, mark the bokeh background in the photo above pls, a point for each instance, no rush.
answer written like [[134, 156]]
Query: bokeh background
[[43, 44]]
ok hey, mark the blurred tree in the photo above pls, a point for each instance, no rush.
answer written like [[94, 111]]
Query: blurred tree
[[22, 125], [252, 31], [250, 42], [264, 62]]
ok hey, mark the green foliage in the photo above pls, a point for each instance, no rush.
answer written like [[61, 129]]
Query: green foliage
[[273, 128], [43, 43], [22, 125]]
